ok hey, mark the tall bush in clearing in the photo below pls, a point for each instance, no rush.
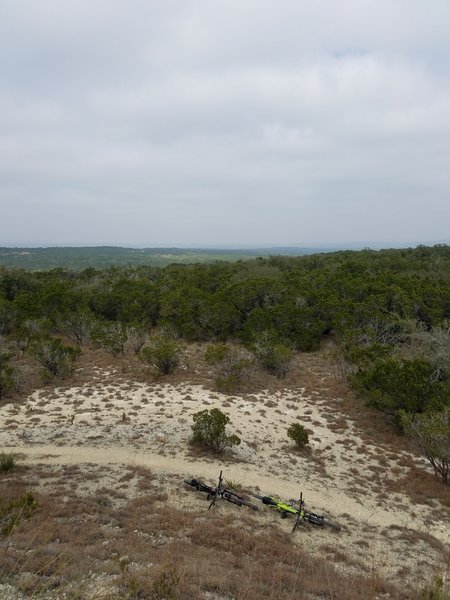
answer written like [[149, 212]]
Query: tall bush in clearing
[[9, 376], [273, 355], [298, 434], [209, 430], [230, 364], [163, 354], [57, 359]]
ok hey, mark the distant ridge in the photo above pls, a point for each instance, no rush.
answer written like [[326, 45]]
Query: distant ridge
[[98, 257], [77, 258]]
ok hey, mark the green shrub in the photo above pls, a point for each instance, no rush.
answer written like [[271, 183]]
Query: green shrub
[[8, 462], [392, 385], [298, 434], [162, 353], [12, 511], [231, 364], [272, 354], [112, 337], [9, 376], [57, 359], [437, 591], [209, 430]]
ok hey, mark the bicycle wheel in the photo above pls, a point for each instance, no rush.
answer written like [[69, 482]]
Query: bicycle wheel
[[192, 482], [249, 504], [238, 499], [232, 498], [335, 526], [199, 486]]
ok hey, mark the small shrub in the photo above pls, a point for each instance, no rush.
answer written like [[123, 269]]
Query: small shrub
[[165, 586], [298, 434], [230, 364], [9, 376], [57, 359], [8, 462], [437, 591], [112, 337], [272, 354], [209, 430], [163, 354], [13, 511], [233, 485]]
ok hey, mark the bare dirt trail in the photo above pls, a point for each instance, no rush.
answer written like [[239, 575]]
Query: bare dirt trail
[[341, 503]]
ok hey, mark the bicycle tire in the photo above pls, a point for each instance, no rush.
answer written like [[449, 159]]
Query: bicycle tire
[[242, 501], [333, 525], [314, 519], [268, 501], [232, 501], [259, 497], [249, 504], [321, 521], [200, 487]]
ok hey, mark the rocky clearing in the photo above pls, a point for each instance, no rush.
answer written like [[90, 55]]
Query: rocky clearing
[[109, 423]]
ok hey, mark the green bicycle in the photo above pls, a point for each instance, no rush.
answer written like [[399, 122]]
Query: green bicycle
[[300, 512]]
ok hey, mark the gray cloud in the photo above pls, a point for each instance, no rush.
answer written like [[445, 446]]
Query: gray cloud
[[193, 123]]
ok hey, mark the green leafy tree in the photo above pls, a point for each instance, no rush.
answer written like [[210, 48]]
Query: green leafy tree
[[57, 359], [230, 363], [209, 430], [273, 355], [298, 434], [127, 300], [430, 434], [163, 353]]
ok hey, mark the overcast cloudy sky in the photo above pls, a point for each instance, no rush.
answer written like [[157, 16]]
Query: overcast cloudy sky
[[200, 123]]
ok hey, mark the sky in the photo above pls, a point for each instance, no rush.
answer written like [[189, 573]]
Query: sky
[[224, 123]]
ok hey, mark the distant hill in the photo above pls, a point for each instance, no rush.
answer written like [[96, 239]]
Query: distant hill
[[99, 257]]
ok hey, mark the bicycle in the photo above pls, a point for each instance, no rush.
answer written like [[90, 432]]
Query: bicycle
[[214, 492], [289, 508]]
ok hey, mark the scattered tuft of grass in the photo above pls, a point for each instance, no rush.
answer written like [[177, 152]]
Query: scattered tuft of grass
[[8, 462]]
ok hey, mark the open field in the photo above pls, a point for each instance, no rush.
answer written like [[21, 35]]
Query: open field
[[105, 457]]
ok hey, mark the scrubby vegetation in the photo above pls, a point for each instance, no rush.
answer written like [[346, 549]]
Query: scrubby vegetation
[[162, 353], [387, 313], [230, 364], [430, 433], [383, 318], [209, 430], [8, 462], [298, 434]]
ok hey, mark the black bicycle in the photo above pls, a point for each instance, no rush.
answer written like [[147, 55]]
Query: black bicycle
[[214, 492]]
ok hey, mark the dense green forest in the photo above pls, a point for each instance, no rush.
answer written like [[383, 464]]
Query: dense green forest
[[100, 257], [387, 312]]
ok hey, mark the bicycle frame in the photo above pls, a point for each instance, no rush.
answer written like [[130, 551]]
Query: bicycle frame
[[220, 492]]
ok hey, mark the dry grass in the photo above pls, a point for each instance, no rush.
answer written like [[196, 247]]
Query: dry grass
[[95, 547], [166, 553]]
